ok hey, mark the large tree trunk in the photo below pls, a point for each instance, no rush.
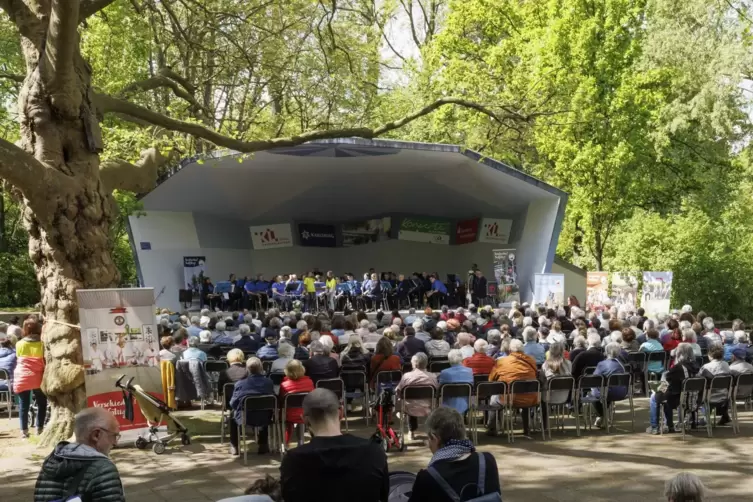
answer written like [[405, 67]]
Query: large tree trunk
[[68, 241]]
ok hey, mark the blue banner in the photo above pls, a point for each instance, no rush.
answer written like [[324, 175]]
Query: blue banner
[[312, 234]]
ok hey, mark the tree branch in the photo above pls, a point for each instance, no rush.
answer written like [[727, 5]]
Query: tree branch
[[130, 111], [90, 7], [58, 68], [161, 81], [16, 78], [138, 178], [169, 73]]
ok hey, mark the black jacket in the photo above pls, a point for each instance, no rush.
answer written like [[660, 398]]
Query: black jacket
[[409, 347], [99, 483], [247, 344], [461, 475], [321, 367], [479, 286], [585, 359]]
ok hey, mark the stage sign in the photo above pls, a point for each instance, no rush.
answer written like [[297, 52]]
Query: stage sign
[[315, 235], [495, 231], [597, 294], [657, 290], [549, 289], [119, 337], [193, 272], [366, 232], [425, 230], [271, 236], [466, 231], [506, 274]]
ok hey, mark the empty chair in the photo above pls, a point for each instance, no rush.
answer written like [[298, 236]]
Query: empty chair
[[558, 392], [227, 393], [742, 391], [6, 392], [357, 387], [637, 362]]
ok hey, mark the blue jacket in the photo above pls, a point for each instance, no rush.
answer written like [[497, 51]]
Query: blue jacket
[[606, 368], [194, 353], [268, 352], [7, 363], [193, 330], [247, 343], [651, 345], [456, 374], [253, 385], [535, 350]]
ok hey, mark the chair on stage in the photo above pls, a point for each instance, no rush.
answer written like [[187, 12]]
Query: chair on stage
[[223, 289], [320, 290]]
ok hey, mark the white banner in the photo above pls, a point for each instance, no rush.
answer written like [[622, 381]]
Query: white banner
[[119, 337], [549, 289], [408, 235], [495, 231], [657, 291], [272, 236]]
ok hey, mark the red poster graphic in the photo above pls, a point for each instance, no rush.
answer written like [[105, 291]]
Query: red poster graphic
[[466, 231], [114, 403]]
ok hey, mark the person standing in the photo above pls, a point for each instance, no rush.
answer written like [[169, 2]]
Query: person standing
[[83, 469], [27, 377], [478, 288]]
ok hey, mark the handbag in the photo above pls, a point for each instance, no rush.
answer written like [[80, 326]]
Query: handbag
[[481, 496]]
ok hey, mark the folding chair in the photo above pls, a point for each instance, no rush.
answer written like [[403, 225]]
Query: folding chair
[[693, 393], [277, 377], [215, 367], [7, 394], [525, 387], [655, 357], [589, 370], [554, 384], [448, 390], [254, 404], [337, 386], [407, 367], [294, 400], [391, 378], [637, 362], [227, 393], [584, 398], [618, 380], [742, 391], [477, 379], [414, 392], [438, 366], [354, 377], [484, 392], [718, 383]]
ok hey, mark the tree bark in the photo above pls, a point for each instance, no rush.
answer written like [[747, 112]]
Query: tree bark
[[68, 233]]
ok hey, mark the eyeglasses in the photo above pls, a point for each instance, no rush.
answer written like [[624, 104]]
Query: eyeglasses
[[115, 435]]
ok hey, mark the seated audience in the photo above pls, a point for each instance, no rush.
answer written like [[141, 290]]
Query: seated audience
[[717, 367], [739, 365], [415, 408], [166, 354], [591, 357], [179, 342], [383, 360], [360, 464], [689, 337], [606, 368], [684, 367], [206, 346], [370, 341], [556, 365], [319, 366], [480, 363], [652, 345], [295, 381], [255, 384], [410, 346], [629, 342], [235, 372], [673, 337], [455, 461], [301, 350], [456, 373], [195, 328], [246, 342], [221, 336], [437, 346], [579, 345], [328, 346], [355, 354], [515, 366], [193, 351], [685, 487], [532, 347], [422, 335], [269, 351], [494, 340], [284, 356], [7, 362], [464, 345]]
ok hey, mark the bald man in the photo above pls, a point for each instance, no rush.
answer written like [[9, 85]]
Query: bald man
[[83, 468]]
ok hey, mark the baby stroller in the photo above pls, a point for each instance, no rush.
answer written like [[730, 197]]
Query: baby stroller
[[155, 411], [383, 406]]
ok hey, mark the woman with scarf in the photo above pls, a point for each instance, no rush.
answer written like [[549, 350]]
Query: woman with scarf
[[455, 467]]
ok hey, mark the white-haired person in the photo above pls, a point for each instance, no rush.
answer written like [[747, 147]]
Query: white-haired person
[[606, 368], [422, 335], [205, 345], [479, 363], [684, 367], [254, 384], [320, 366], [532, 346], [685, 487], [329, 347], [464, 345], [246, 340], [689, 337], [410, 345], [285, 353], [515, 366], [419, 376], [580, 344], [193, 351], [363, 328], [455, 461], [370, 341], [494, 342], [717, 366], [739, 365], [456, 373], [195, 328], [437, 346], [221, 336]]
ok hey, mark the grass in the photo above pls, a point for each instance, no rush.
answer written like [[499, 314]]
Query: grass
[[19, 310]]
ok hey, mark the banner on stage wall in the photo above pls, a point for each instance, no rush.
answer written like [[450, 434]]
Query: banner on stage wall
[[506, 275], [366, 232], [656, 293], [597, 294], [316, 235], [495, 231], [119, 337], [271, 236], [466, 231], [549, 289], [429, 230], [624, 289], [193, 272]]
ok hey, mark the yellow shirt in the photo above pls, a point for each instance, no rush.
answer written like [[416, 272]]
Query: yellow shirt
[[308, 284], [331, 283]]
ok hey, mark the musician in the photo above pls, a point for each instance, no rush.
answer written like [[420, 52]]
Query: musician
[[262, 291], [478, 288], [278, 293], [415, 291], [235, 292], [208, 296], [372, 292], [437, 290], [403, 289], [331, 284]]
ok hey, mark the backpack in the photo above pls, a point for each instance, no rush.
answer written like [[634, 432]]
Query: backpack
[[481, 497]]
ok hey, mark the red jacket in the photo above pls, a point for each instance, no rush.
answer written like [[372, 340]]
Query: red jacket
[[379, 363], [481, 364], [288, 386]]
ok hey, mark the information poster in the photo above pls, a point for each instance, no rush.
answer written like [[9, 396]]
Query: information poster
[[656, 293], [365, 232], [597, 292], [624, 289], [119, 337], [549, 289], [193, 272], [506, 275]]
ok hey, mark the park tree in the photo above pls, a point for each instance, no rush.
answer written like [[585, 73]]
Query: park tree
[[245, 76]]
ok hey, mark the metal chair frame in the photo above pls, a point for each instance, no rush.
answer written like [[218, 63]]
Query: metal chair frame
[[297, 398], [273, 426], [692, 382], [720, 382], [421, 392], [337, 386], [363, 394], [586, 382], [537, 408], [225, 417], [744, 382], [4, 375], [617, 380], [557, 384], [485, 391]]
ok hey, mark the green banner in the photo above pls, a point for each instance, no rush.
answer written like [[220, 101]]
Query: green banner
[[426, 226]]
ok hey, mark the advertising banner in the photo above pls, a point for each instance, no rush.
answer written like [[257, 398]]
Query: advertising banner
[[506, 275], [119, 337], [193, 272], [495, 231], [549, 289], [271, 236], [624, 289], [315, 235], [366, 232], [657, 290], [597, 294], [425, 230], [466, 231]]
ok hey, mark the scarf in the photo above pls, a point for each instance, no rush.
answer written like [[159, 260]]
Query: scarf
[[454, 449]]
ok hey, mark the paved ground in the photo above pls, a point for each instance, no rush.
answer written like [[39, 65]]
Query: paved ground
[[622, 466]]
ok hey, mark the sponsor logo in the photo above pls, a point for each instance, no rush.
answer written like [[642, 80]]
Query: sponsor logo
[[315, 235]]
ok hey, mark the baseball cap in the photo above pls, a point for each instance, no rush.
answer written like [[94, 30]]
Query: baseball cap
[[740, 354]]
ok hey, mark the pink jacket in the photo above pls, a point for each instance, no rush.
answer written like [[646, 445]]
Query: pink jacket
[[417, 407], [30, 366]]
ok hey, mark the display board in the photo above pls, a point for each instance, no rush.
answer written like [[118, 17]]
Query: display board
[[194, 269], [317, 235], [624, 291], [271, 236], [495, 231], [506, 275], [656, 292], [597, 292], [364, 232], [549, 289], [466, 231], [428, 230]]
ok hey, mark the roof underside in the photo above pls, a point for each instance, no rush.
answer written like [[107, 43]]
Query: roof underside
[[348, 179]]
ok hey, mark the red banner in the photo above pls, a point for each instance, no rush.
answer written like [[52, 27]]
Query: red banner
[[113, 402], [466, 231]]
